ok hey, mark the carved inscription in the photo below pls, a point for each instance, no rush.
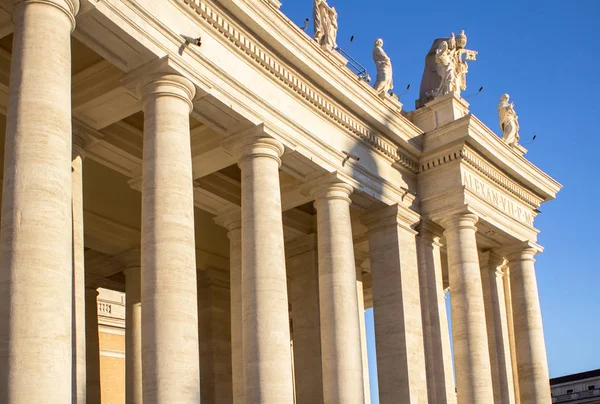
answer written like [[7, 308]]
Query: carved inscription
[[497, 199]]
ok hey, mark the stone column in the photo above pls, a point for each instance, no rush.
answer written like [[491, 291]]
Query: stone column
[[511, 332], [303, 270], [497, 328], [469, 334], [438, 355], [529, 334], [36, 234], [363, 334], [168, 284], [265, 321], [78, 307], [232, 221], [92, 346], [133, 335], [340, 326], [397, 305]]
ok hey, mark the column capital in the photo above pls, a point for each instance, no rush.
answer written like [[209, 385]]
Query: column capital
[[230, 218], [459, 221], [430, 231], [130, 259], [523, 251], [395, 215], [69, 7], [254, 142], [490, 260]]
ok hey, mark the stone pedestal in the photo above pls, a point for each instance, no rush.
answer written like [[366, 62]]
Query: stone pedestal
[[265, 322], [497, 328], [397, 306], [168, 282], [232, 221], [133, 335], [529, 334], [469, 333], [303, 268], [92, 346], [438, 356], [340, 327], [36, 272]]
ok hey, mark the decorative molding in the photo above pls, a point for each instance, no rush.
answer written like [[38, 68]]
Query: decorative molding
[[474, 160], [299, 85]]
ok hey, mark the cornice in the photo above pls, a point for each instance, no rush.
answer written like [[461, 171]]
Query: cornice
[[298, 84], [474, 160]]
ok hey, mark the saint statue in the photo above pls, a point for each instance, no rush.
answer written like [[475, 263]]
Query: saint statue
[[383, 83], [509, 121], [325, 23], [446, 69]]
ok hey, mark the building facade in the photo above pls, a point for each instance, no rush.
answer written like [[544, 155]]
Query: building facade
[[251, 196], [577, 388]]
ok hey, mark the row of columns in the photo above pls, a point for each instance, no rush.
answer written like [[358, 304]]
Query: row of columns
[[41, 267]]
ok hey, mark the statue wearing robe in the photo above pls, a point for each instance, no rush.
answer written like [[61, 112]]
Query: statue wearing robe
[[509, 121], [383, 83], [445, 61], [325, 24]]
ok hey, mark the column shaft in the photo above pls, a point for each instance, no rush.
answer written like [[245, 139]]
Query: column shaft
[[529, 333], [36, 269], [438, 356], [469, 334], [168, 283], [266, 345], [511, 333], [133, 336], [303, 268], [92, 347], [340, 327], [497, 328], [363, 334], [397, 307], [78, 306]]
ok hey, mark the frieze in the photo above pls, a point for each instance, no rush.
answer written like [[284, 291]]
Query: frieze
[[299, 85], [496, 198]]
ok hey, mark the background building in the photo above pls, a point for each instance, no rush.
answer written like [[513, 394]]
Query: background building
[[577, 388]]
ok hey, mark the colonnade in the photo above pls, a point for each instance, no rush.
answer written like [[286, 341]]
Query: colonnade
[[42, 292]]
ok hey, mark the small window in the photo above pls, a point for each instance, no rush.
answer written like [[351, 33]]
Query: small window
[[591, 387], [570, 391]]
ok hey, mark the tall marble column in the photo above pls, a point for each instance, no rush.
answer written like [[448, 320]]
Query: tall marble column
[[529, 334], [265, 319], [232, 221], [78, 307], [438, 355], [363, 333], [36, 234], [497, 327], [92, 346], [303, 270], [469, 334], [168, 282], [340, 326], [397, 305], [511, 332], [133, 334]]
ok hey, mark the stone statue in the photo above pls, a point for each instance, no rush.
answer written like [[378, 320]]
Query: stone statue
[[509, 121], [445, 68], [325, 23], [383, 83]]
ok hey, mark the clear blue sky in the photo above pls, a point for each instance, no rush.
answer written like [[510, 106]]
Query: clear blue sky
[[546, 55]]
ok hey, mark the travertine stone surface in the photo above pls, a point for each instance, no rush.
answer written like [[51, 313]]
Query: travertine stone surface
[[303, 268], [497, 327], [397, 306], [133, 336], [267, 356], [78, 306], [92, 346], [511, 331], [340, 327], [36, 268], [529, 334], [168, 284], [232, 221], [469, 334], [438, 356], [363, 334]]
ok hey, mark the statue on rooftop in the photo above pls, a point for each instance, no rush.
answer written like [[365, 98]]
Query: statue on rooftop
[[325, 24], [384, 82], [445, 68], [509, 121]]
